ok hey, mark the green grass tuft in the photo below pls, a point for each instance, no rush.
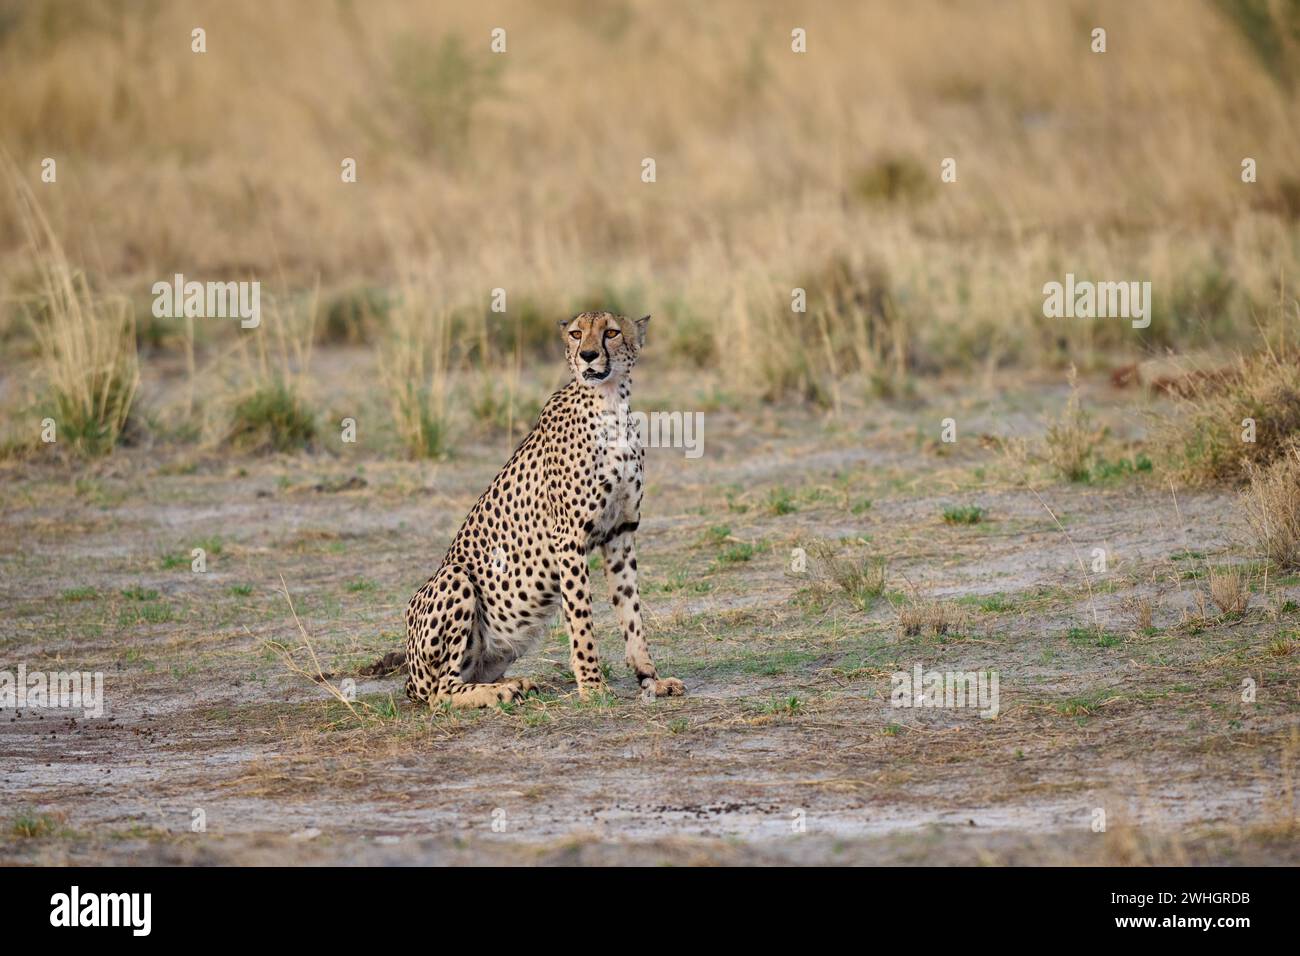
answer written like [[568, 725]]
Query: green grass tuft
[[964, 514], [780, 501], [273, 418]]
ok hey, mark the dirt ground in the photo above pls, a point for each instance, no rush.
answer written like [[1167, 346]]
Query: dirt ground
[[212, 749]]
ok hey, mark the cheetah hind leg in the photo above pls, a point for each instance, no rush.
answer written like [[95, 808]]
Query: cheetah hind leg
[[442, 651]]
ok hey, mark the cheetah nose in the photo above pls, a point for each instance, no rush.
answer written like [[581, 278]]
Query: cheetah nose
[[589, 356]]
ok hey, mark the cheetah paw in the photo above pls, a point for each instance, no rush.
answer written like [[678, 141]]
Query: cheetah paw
[[516, 688], [653, 688]]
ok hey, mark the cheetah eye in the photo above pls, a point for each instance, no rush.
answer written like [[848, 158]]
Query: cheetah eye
[[575, 334], [610, 333]]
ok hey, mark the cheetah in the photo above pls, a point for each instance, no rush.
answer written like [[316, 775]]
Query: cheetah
[[573, 485]]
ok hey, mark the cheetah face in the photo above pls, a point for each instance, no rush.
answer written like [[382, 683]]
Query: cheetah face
[[601, 346]]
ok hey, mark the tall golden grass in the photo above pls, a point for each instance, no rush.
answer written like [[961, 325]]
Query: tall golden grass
[[414, 360], [1272, 507], [775, 170], [85, 344]]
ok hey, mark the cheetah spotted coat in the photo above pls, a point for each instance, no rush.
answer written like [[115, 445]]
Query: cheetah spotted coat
[[573, 485]]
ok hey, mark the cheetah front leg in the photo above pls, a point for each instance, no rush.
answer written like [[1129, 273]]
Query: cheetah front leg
[[469, 696], [620, 571], [577, 621]]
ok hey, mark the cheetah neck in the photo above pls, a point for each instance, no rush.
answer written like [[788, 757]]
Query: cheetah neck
[[610, 395]]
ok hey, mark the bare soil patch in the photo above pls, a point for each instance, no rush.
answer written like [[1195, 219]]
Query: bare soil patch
[[786, 749]]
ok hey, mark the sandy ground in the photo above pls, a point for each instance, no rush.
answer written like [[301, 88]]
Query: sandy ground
[[786, 749]]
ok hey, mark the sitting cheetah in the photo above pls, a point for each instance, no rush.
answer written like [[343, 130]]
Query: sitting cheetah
[[570, 487]]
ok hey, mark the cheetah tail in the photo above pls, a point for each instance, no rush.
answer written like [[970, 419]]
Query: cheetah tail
[[392, 663]]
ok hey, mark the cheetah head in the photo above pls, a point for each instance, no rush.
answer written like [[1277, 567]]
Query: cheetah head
[[601, 346]]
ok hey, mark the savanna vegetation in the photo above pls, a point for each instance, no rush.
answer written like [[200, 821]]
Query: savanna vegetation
[[522, 172], [919, 467]]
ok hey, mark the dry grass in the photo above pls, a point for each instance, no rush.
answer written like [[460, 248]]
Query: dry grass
[[415, 358], [85, 340], [1229, 589], [1071, 438], [917, 615], [1208, 441], [478, 171], [1272, 506], [861, 578], [1140, 610], [774, 172]]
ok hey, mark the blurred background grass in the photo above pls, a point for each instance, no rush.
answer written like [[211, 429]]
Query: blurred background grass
[[774, 171]]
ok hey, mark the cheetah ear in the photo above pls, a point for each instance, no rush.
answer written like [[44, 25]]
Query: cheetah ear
[[641, 324]]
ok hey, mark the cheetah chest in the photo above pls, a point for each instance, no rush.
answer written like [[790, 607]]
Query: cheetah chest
[[620, 471]]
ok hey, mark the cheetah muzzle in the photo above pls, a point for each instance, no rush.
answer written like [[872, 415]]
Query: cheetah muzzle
[[573, 485]]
